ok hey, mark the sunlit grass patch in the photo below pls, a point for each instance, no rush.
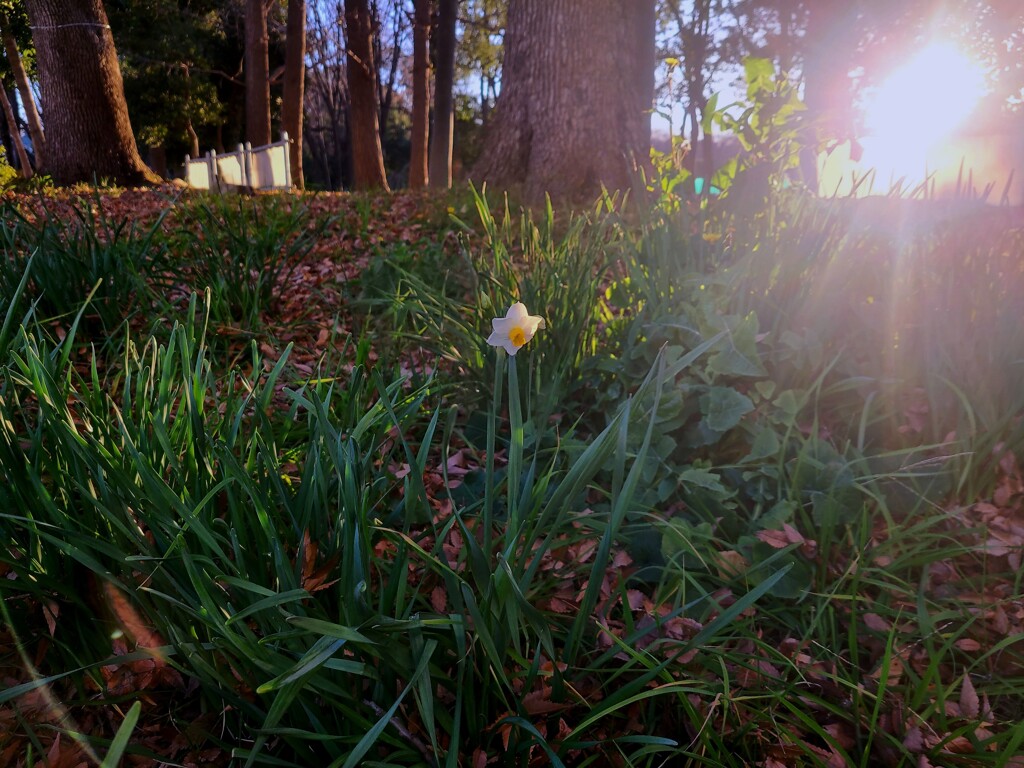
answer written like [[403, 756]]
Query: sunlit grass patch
[[722, 509]]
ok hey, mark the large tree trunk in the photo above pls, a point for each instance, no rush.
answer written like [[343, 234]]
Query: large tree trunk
[[420, 93], [294, 82], [827, 85], [89, 133], [367, 156], [444, 105], [577, 88], [257, 74], [12, 123], [28, 102]]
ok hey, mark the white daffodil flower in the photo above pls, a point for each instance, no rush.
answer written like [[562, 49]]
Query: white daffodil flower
[[514, 329]]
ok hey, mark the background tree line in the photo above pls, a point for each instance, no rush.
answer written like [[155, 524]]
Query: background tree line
[[553, 96]]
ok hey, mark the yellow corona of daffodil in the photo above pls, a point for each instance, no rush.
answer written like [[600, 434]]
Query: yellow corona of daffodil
[[515, 329]]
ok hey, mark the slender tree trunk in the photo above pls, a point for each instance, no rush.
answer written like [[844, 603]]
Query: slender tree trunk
[[386, 88], [257, 74], [89, 132], [193, 139], [367, 156], [693, 123], [694, 40], [26, 168], [6, 140], [294, 82], [709, 154], [444, 105], [420, 93], [577, 87], [28, 102]]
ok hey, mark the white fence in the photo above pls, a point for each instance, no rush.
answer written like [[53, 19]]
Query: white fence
[[247, 168]]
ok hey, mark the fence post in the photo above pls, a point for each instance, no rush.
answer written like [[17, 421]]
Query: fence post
[[287, 160], [246, 164], [211, 161], [214, 176]]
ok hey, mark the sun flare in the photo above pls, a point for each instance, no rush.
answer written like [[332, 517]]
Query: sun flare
[[919, 106]]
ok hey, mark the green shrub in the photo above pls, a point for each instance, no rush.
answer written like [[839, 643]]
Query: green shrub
[[8, 175]]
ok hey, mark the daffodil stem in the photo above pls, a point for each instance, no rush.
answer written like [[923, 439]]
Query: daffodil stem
[[515, 446], [492, 427]]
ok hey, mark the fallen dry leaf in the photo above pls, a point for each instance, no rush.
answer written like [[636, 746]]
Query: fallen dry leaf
[[969, 704]]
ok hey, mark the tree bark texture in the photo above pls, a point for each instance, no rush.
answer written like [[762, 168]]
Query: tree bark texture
[[89, 134], [420, 93], [28, 102], [257, 74], [444, 104], [576, 94], [26, 167], [827, 85], [367, 155], [292, 101]]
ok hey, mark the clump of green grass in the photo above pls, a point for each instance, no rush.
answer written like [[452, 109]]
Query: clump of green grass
[[729, 554], [555, 269], [244, 250], [281, 562], [79, 252]]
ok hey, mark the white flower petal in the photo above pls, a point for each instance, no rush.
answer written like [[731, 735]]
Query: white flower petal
[[517, 312]]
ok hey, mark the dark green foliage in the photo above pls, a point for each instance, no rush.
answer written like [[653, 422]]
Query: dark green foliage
[[244, 250], [81, 252], [182, 79]]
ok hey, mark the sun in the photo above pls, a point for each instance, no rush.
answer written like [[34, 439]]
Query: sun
[[920, 105]]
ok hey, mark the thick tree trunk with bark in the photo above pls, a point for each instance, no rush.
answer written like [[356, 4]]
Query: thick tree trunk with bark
[[420, 93], [577, 88], [28, 102], [26, 168], [88, 131], [294, 85], [444, 104], [367, 156], [827, 84], [257, 74]]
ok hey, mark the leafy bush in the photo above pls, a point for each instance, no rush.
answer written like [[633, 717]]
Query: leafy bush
[[8, 175]]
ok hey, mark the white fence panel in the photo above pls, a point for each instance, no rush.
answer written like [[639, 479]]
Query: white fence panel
[[265, 167], [269, 166], [231, 170], [201, 173]]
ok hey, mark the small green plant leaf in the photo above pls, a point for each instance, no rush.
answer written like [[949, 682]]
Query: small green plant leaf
[[723, 407]]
